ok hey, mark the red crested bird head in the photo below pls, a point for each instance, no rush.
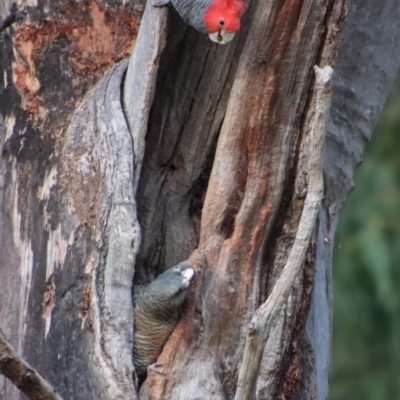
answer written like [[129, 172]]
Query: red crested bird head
[[222, 19]]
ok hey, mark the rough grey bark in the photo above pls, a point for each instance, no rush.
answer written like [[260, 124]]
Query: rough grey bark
[[73, 221], [68, 224], [260, 327], [367, 65], [251, 212]]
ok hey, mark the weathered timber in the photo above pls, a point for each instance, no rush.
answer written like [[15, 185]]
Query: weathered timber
[[211, 333], [22, 375], [264, 318], [247, 197], [68, 226], [237, 111]]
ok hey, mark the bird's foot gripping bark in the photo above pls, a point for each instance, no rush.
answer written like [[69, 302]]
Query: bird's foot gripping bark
[[155, 368], [160, 3]]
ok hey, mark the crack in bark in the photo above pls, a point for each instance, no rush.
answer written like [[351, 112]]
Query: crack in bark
[[263, 320]]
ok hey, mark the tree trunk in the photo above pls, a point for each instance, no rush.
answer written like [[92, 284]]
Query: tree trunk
[[189, 150]]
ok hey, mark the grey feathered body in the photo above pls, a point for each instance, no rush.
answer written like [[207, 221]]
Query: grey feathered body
[[192, 12], [157, 310], [152, 328]]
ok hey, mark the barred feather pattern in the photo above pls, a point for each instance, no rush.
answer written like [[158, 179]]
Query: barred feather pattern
[[192, 12], [151, 331], [157, 310]]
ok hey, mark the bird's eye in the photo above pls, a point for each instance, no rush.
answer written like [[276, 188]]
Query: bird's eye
[[221, 22]]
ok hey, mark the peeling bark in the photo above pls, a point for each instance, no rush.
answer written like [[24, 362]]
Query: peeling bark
[[73, 221], [264, 319], [222, 133], [245, 236]]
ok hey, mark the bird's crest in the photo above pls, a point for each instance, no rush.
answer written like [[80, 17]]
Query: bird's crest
[[224, 15]]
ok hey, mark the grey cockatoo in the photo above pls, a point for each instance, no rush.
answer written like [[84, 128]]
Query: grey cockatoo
[[157, 310]]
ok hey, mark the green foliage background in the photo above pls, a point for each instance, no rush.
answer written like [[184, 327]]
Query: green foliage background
[[366, 272]]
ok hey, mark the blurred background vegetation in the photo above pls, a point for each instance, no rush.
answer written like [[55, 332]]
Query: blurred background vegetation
[[366, 272]]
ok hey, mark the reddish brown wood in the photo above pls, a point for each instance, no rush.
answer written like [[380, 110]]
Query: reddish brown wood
[[243, 231], [252, 206]]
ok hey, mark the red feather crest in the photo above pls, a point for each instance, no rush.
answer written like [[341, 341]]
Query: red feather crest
[[224, 15]]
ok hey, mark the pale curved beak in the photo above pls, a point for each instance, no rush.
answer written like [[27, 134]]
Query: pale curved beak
[[221, 37]]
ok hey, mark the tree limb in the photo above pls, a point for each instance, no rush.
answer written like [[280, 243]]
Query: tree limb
[[262, 322], [140, 81], [22, 375]]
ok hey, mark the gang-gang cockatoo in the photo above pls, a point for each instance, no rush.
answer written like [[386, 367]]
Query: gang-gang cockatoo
[[219, 18]]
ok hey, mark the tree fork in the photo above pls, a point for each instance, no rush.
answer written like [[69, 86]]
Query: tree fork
[[22, 375]]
